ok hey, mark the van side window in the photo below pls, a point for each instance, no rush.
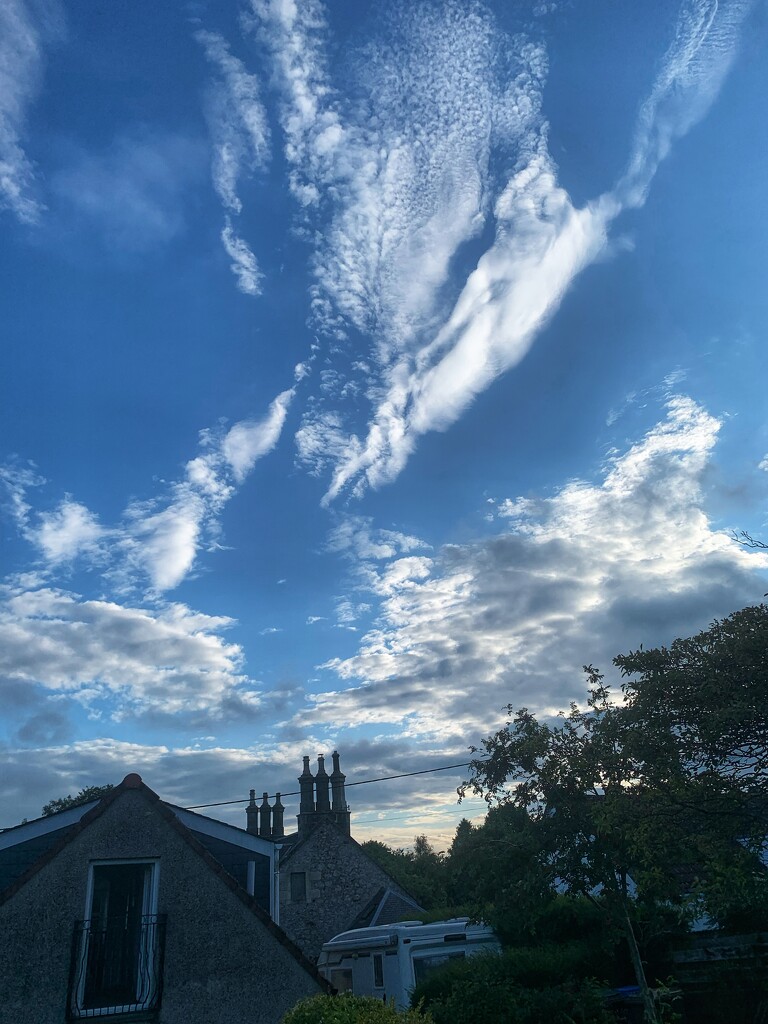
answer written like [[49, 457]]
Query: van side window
[[423, 966], [378, 970]]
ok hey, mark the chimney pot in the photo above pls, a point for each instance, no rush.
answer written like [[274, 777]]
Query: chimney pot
[[322, 783], [252, 815]]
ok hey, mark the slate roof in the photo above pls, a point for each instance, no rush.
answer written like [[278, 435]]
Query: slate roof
[[386, 907], [22, 845]]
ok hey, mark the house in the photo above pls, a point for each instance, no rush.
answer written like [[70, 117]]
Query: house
[[129, 908], [327, 882]]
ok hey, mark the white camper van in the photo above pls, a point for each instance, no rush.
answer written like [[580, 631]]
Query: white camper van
[[389, 960]]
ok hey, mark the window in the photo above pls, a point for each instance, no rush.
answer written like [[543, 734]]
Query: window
[[298, 887], [378, 970], [423, 966], [342, 980], [117, 953]]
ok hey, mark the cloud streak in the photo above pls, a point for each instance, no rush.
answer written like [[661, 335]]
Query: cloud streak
[[158, 541], [237, 121], [22, 36], [244, 264], [448, 134], [240, 137]]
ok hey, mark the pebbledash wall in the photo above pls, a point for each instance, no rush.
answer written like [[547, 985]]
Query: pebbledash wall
[[225, 962], [327, 884]]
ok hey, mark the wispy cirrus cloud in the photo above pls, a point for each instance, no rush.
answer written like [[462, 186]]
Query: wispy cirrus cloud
[[236, 118], [594, 570], [134, 191], [691, 76], [157, 541], [244, 264], [240, 138], [447, 133], [24, 30]]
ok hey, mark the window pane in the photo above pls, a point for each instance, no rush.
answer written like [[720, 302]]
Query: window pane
[[117, 907], [378, 970], [298, 887], [423, 966]]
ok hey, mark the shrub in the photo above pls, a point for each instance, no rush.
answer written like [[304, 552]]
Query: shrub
[[518, 986], [349, 1009]]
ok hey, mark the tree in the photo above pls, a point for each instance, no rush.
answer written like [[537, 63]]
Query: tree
[[635, 802], [695, 722], [704, 702], [85, 796], [421, 871], [494, 873]]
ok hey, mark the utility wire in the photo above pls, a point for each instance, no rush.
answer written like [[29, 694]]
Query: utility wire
[[348, 785]]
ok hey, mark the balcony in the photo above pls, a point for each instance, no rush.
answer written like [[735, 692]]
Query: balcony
[[117, 967]]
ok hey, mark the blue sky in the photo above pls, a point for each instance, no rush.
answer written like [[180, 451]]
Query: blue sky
[[366, 368]]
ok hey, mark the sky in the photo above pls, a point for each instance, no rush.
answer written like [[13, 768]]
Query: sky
[[366, 368]]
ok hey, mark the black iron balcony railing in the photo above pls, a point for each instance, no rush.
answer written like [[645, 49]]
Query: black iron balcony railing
[[117, 966]]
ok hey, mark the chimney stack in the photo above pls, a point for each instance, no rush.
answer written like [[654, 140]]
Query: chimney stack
[[307, 799], [265, 815], [278, 830], [322, 783], [339, 807], [252, 815]]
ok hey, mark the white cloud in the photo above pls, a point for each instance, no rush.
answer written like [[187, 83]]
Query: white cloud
[[23, 31], [157, 541], [249, 440], [70, 530], [134, 191], [453, 99], [239, 131], [16, 481], [357, 537], [311, 125], [237, 121], [597, 569], [169, 658], [692, 73], [244, 265], [322, 440]]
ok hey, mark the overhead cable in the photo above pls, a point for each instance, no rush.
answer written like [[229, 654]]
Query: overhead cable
[[363, 782]]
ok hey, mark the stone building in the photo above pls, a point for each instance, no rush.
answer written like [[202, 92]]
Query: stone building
[[327, 882], [130, 908]]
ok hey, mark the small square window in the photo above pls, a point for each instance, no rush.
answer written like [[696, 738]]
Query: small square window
[[298, 887]]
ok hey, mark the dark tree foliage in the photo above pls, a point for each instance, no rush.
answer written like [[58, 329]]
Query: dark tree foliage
[[421, 871], [520, 986], [85, 796], [699, 710], [656, 800]]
